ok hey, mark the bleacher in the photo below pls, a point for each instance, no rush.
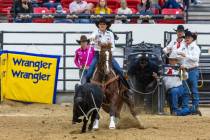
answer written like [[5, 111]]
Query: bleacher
[[6, 5]]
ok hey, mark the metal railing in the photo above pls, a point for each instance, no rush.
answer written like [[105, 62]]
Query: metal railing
[[64, 44]]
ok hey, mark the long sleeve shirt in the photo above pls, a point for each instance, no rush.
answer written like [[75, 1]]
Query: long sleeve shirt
[[81, 57], [192, 53], [172, 81], [100, 37], [74, 6], [174, 45]]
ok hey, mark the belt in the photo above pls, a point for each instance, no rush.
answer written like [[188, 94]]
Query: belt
[[190, 69]]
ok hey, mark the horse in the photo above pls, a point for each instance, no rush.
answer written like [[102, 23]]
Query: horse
[[115, 92]]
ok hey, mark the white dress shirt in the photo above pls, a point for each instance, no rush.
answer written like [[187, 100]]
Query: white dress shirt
[[74, 6], [192, 53], [172, 81], [172, 46], [100, 37]]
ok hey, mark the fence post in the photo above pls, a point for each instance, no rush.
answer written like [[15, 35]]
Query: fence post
[[1, 40], [64, 61]]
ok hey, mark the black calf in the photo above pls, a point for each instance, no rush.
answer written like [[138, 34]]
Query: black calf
[[87, 98]]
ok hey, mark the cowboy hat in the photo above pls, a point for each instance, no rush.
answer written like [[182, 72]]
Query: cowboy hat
[[180, 28], [103, 20], [83, 38], [190, 34]]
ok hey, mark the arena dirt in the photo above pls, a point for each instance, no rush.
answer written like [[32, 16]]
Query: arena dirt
[[53, 122]]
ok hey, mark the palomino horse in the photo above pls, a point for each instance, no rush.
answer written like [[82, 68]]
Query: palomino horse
[[115, 91]]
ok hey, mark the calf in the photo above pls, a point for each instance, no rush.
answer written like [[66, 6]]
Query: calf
[[87, 98]]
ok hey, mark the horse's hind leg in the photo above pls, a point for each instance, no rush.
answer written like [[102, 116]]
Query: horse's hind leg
[[131, 106]]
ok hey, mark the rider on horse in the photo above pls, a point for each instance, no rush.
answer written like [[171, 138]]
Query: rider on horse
[[100, 37]]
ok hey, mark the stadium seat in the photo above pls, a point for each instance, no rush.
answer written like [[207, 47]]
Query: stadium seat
[[133, 3], [161, 2], [167, 11], [42, 10], [113, 4], [65, 3], [172, 12], [95, 2], [5, 6]]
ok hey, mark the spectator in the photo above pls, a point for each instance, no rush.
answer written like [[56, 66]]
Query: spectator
[[102, 8], [175, 89], [22, 6], [51, 3], [60, 10], [191, 53], [173, 4], [123, 10], [79, 7], [83, 56], [147, 7]]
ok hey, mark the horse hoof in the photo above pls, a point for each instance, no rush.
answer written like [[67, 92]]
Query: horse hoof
[[96, 125], [141, 126], [112, 125]]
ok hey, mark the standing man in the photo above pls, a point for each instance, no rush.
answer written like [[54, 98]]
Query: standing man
[[83, 55], [179, 43], [191, 53]]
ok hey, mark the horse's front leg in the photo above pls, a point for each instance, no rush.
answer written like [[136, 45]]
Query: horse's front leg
[[113, 110]]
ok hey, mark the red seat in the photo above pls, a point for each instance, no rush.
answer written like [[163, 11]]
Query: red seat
[[171, 12], [65, 3], [161, 2], [52, 10], [95, 2], [42, 10], [113, 4], [133, 3], [166, 11]]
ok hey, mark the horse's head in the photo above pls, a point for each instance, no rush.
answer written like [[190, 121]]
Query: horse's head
[[105, 58]]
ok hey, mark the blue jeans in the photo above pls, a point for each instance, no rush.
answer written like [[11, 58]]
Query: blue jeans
[[17, 20], [176, 94], [50, 5], [171, 4], [192, 82], [115, 65], [82, 21]]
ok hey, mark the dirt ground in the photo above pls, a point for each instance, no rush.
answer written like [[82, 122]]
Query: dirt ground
[[53, 122]]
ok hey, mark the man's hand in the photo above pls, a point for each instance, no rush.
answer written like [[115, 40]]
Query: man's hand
[[154, 74], [25, 6], [182, 54]]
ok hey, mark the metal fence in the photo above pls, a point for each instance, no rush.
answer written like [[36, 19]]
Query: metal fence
[[66, 45]]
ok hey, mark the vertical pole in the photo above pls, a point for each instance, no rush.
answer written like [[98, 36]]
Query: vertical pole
[[1, 41], [64, 61]]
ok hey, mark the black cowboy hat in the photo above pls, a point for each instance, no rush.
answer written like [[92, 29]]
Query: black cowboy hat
[[180, 28], [83, 38], [190, 34], [103, 20]]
